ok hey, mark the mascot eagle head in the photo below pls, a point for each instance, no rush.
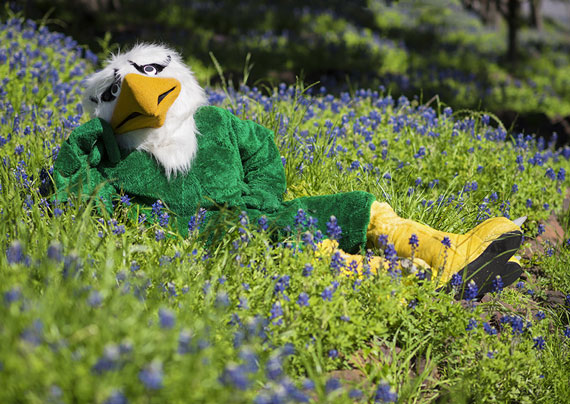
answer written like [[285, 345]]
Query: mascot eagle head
[[149, 96]]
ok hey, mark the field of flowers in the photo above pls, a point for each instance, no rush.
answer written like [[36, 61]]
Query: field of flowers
[[97, 308]]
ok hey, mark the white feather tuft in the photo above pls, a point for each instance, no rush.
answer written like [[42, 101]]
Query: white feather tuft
[[174, 144]]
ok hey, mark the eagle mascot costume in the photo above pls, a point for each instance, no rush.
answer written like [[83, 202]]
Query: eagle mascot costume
[[153, 137]]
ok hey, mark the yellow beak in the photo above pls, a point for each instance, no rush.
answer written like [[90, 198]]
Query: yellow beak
[[143, 102]]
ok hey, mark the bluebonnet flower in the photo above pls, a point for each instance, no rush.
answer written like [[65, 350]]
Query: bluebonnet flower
[[163, 219], [276, 310], [327, 293], [332, 384], [109, 360], [456, 280], [497, 284], [528, 203], [471, 290], [12, 295], [34, 333], [300, 219], [333, 353], [385, 394], [446, 242], [184, 339], [262, 222], [273, 368], [550, 173], [157, 207], [236, 376], [95, 299], [567, 300], [337, 262], [196, 220], [355, 394], [516, 322], [126, 200], [282, 284], [307, 270], [116, 397], [54, 252], [151, 376], [159, 235], [472, 324], [303, 299], [541, 229], [540, 315], [414, 242], [546, 206], [561, 176], [539, 343], [489, 329], [515, 188], [15, 253], [308, 384], [167, 318], [333, 229], [250, 360], [490, 354], [567, 331]]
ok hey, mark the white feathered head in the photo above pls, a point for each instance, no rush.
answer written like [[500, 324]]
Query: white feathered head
[[149, 96]]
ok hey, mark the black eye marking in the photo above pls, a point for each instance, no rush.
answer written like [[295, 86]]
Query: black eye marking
[[151, 68], [111, 93], [94, 100]]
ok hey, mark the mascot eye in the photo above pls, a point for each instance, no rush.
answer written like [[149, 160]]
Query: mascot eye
[[111, 93], [150, 69]]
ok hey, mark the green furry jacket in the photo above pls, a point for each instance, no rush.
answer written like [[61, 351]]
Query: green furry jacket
[[237, 166]]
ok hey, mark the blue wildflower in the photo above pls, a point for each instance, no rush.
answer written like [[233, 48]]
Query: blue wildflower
[[540, 315], [333, 353], [273, 368], [497, 284], [446, 242], [456, 280], [307, 270], [126, 200], [333, 229], [327, 293], [489, 329], [414, 242], [303, 299], [385, 394], [236, 376], [471, 291], [15, 253], [166, 318], [539, 343], [472, 324], [116, 397], [332, 384], [151, 376], [262, 222]]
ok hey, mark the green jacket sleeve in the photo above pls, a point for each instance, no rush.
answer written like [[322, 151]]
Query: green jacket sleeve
[[75, 169], [263, 169]]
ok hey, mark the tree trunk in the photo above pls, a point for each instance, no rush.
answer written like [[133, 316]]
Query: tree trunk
[[513, 21], [536, 14]]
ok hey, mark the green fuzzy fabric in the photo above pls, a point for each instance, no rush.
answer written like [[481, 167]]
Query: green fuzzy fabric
[[237, 166]]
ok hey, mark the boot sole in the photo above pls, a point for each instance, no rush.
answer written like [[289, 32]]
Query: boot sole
[[492, 262]]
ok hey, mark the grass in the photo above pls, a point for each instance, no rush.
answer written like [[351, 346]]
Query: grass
[[95, 309]]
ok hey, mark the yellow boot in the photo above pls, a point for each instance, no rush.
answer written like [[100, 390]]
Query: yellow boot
[[479, 255]]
